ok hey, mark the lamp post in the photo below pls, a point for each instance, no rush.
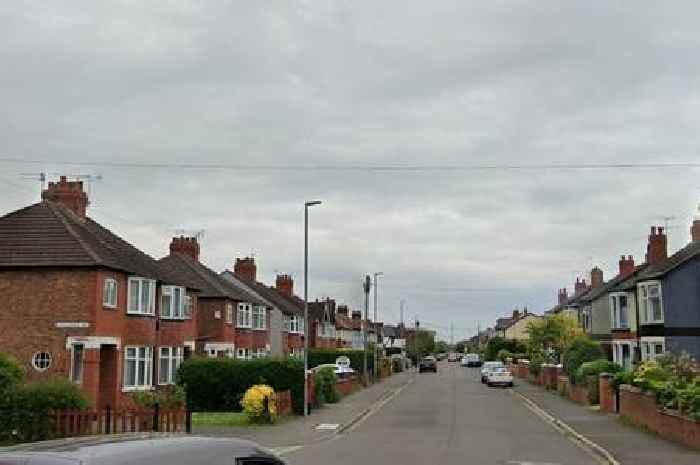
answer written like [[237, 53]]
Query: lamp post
[[376, 332], [306, 302]]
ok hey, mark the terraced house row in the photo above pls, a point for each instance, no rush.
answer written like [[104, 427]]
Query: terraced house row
[[647, 309], [78, 301]]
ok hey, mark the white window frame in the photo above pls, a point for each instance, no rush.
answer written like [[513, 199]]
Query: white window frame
[[648, 345], [228, 313], [259, 317], [259, 352], [243, 353], [644, 311], [616, 310], [147, 360], [147, 308], [188, 306], [617, 352], [295, 324], [173, 357], [48, 359], [176, 297], [244, 315], [72, 366], [109, 293], [285, 323]]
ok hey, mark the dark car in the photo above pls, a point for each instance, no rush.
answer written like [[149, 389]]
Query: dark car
[[428, 363], [148, 449]]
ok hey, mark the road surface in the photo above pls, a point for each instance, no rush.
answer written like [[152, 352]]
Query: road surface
[[448, 418]]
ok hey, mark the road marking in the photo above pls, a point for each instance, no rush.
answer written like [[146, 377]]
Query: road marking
[[515, 462], [282, 450], [327, 426], [591, 448]]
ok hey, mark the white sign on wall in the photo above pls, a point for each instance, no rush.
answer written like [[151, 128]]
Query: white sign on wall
[[72, 324]]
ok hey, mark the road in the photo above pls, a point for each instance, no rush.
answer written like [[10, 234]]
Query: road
[[448, 418]]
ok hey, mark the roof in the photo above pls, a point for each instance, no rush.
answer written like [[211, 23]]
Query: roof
[[679, 258], [48, 234], [392, 331], [271, 296], [520, 318], [210, 283], [343, 322], [503, 323], [318, 308]]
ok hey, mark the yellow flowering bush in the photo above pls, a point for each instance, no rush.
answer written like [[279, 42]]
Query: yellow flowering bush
[[259, 404]]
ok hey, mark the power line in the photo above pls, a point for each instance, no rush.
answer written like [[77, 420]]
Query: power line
[[359, 167]]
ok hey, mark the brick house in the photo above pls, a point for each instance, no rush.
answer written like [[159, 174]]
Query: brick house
[[322, 332], [79, 302], [344, 327], [231, 321], [286, 310]]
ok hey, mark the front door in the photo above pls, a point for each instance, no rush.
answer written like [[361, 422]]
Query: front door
[[109, 381]]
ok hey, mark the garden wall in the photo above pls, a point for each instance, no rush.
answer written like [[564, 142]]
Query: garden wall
[[640, 409]]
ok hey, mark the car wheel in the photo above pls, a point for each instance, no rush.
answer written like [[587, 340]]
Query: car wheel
[[489, 384], [510, 384]]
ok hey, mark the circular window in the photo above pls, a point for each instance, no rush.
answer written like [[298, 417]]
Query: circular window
[[41, 361]]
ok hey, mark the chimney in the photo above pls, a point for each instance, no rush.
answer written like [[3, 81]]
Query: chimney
[[516, 314], [563, 296], [596, 278], [245, 269], [69, 194], [580, 287], [657, 252], [185, 246], [342, 310], [695, 228], [626, 265], [356, 315], [285, 284]]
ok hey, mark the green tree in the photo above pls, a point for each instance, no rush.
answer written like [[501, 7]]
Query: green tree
[[552, 334], [582, 349], [496, 344], [442, 346], [422, 343]]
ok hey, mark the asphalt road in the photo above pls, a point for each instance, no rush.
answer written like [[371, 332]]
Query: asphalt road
[[448, 418]]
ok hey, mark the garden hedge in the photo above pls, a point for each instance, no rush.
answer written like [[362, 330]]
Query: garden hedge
[[218, 384]]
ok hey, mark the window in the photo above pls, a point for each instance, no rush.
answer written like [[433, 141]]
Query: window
[[294, 324], [109, 293], [651, 310], [260, 352], [653, 348], [142, 296], [138, 368], [297, 352], [41, 361], [170, 359], [243, 354], [76, 363], [586, 319], [619, 311], [243, 318], [259, 319], [622, 354], [229, 313], [172, 302], [188, 306]]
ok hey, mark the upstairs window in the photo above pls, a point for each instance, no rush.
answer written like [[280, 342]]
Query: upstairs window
[[619, 311], [259, 317], [285, 325], [173, 302], [188, 306], [243, 316], [229, 313], [109, 293], [651, 305], [142, 296], [294, 324]]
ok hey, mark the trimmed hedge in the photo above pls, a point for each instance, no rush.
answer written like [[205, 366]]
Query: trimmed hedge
[[324, 356], [218, 384]]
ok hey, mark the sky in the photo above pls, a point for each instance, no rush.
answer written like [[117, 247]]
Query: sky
[[225, 116]]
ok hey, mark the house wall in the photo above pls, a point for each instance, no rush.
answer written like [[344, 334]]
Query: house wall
[[277, 345], [518, 330], [681, 296], [210, 328]]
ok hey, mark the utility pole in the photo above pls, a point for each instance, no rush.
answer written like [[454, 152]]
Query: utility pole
[[401, 311], [376, 332], [367, 286]]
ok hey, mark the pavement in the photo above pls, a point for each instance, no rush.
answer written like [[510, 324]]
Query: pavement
[[443, 419], [627, 444]]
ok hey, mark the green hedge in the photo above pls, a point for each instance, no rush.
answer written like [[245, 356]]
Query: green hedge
[[218, 384], [589, 373], [582, 349], [324, 356]]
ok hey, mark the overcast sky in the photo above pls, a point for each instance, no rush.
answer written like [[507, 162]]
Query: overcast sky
[[334, 84]]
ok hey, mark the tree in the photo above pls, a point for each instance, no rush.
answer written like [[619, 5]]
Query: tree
[[441, 347], [552, 334], [496, 344], [461, 347], [422, 342]]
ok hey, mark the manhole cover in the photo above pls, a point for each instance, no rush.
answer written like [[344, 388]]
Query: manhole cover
[[327, 426]]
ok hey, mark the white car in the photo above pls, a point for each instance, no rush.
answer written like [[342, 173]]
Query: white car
[[499, 376], [340, 370], [488, 366]]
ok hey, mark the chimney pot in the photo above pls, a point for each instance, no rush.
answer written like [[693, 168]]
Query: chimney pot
[[657, 248], [245, 269], [69, 194], [186, 246]]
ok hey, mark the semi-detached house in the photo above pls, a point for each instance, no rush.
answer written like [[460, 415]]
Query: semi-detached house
[[231, 321], [79, 302]]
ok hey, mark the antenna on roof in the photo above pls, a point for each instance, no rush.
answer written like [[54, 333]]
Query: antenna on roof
[[41, 177], [666, 220], [196, 233]]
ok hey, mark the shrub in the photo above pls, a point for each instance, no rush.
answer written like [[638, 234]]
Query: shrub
[[497, 343], [581, 350], [166, 399], [218, 385], [11, 373], [397, 365], [259, 404], [503, 354], [27, 408], [589, 372], [324, 385], [536, 361]]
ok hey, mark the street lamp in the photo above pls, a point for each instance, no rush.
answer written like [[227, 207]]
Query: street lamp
[[376, 332], [306, 302]]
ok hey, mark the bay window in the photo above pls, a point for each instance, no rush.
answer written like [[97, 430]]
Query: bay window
[[173, 302], [243, 354], [142, 296], [138, 368], [650, 302], [243, 316], [169, 359], [259, 317]]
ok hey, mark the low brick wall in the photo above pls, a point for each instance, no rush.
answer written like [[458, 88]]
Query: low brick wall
[[563, 385], [347, 386], [550, 374], [606, 394], [640, 409], [284, 402], [579, 394]]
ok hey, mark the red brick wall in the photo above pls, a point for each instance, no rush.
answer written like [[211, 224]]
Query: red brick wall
[[579, 394], [284, 402], [294, 340], [261, 338], [606, 394], [563, 385], [210, 328], [31, 302], [244, 338], [640, 409]]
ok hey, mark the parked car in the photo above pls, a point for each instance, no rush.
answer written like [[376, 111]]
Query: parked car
[[453, 357], [471, 360], [151, 449], [441, 356], [428, 363], [488, 366], [499, 376], [340, 370]]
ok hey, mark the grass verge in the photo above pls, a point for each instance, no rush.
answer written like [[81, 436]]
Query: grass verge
[[219, 419]]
